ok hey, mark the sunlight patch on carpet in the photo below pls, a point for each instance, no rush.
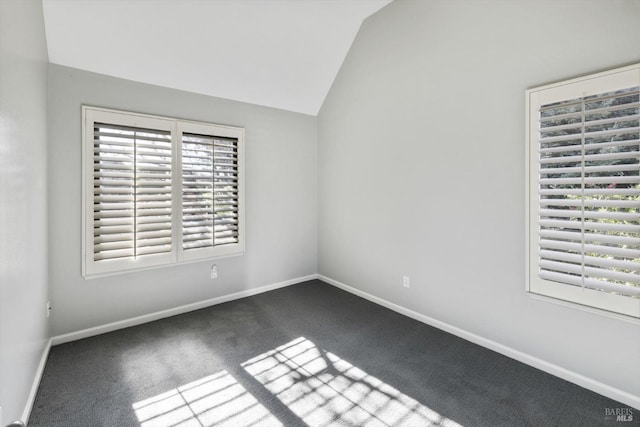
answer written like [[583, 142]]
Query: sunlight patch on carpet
[[216, 400], [323, 389]]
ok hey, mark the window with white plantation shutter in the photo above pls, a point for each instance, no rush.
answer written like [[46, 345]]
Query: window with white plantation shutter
[[131, 192], [584, 191], [210, 191], [159, 191]]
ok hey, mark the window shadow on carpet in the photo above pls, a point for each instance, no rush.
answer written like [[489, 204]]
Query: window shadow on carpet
[[319, 387]]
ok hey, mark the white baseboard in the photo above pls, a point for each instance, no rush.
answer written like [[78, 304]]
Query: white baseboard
[[558, 371], [36, 383], [97, 330]]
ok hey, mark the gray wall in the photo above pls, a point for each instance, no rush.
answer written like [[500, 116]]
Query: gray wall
[[23, 201], [281, 242], [421, 167]]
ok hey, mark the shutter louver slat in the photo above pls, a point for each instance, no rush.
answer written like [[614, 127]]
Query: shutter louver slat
[[578, 247], [559, 213], [604, 226], [132, 183], [590, 283], [592, 192], [592, 203], [152, 249], [590, 158], [209, 191], [106, 230], [597, 122], [589, 192], [590, 260], [594, 134], [588, 147], [112, 254]]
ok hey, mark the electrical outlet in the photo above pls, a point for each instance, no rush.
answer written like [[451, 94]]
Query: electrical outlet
[[48, 308], [406, 282], [214, 271]]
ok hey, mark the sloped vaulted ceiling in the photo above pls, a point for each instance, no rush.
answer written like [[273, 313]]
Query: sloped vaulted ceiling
[[279, 53]]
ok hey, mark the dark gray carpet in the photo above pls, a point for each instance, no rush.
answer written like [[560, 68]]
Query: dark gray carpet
[[308, 354]]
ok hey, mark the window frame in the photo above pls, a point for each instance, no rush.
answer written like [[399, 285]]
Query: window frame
[[177, 255], [597, 83]]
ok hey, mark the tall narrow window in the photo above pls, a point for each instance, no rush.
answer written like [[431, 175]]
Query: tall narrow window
[[584, 185], [132, 191], [137, 198], [210, 191]]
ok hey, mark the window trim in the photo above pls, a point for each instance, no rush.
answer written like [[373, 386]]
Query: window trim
[[592, 300], [177, 255]]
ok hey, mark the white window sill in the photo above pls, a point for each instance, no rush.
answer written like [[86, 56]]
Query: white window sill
[[576, 306]]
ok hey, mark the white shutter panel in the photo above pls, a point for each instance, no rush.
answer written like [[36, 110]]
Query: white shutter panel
[[131, 192], [589, 192], [210, 191]]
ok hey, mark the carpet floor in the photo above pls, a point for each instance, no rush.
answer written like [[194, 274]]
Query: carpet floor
[[309, 354]]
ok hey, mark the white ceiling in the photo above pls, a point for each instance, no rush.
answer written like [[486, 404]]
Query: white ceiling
[[278, 53]]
